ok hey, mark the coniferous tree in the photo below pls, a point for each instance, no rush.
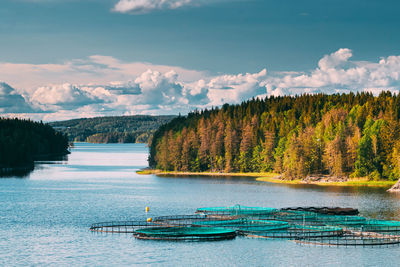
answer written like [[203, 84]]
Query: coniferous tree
[[340, 135]]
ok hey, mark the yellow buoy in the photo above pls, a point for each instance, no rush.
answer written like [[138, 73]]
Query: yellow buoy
[[149, 219], [147, 209]]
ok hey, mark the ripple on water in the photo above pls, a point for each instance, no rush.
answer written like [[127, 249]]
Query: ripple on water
[[45, 218]]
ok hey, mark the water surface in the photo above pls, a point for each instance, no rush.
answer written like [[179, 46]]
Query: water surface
[[45, 217]]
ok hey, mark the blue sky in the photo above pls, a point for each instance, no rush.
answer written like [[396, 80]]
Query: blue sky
[[69, 45]]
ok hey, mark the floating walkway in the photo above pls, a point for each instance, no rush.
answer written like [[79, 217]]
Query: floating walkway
[[307, 226]]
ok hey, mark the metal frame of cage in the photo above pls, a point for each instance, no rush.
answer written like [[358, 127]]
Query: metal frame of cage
[[184, 233], [352, 239]]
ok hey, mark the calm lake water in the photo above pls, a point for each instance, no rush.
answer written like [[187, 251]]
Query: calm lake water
[[45, 217]]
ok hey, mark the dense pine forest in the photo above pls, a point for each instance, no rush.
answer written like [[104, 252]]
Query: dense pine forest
[[342, 135], [118, 129], [23, 141]]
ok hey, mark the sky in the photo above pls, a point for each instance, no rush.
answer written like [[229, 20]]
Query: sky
[[63, 59]]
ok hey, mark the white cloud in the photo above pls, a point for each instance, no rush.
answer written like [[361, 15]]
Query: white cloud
[[145, 6], [337, 73], [169, 90], [335, 59], [152, 92], [235, 88], [95, 69], [66, 96], [11, 101]]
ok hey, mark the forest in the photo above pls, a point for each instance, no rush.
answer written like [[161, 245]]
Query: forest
[[340, 135], [118, 129], [23, 141]]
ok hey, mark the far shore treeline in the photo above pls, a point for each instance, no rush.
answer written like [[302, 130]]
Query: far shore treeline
[[343, 135], [115, 129], [23, 141]]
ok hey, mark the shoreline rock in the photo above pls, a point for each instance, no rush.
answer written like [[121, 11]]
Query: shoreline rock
[[395, 188], [324, 179]]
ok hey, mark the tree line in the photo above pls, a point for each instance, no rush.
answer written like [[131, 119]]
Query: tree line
[[117, 129], [356, 135], [23, 141]]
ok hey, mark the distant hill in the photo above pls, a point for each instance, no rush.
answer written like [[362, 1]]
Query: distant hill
[[119, 129]]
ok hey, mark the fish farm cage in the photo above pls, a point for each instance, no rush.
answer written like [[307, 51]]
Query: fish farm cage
[[237, 210], [296, 232], [312, 218], [304, 225], [187, 233], [245, 224], [352, 239], [120, 226]]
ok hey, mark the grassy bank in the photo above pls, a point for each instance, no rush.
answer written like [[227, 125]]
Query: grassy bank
[[276, 178]]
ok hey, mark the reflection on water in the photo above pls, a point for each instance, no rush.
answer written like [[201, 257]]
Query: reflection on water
[[23, 172], [45, 218], [20, 172]]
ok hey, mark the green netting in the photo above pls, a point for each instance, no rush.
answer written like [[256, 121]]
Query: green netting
[[296, 215], [183, 233], [383, 223], [298, 231], [245, 224], [216, 223], [317, 218], [316, 228], [337, 219], [351, 239], [238, 210], [375, 226]]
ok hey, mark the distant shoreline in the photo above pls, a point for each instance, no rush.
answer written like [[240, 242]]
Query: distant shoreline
[[276, 178]]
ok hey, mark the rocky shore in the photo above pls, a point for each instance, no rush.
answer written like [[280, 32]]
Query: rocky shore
[[395, 188], [322, 180]]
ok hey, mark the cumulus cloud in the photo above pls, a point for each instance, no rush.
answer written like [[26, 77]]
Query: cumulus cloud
[[337, 73], [235, 88], [145, 6], [66, 96], [152, 92], [164, 90], [12, 101], [96, 69], [159, 88], [335, 59]]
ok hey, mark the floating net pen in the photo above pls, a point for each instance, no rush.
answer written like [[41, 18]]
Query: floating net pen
[[185, 233]]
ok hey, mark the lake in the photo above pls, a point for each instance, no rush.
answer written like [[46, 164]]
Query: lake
[[45, 217]]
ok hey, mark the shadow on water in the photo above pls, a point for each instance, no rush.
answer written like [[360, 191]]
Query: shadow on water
[[19, 172], [208, 177], [216, 178], [25, 171], [51, 159]]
